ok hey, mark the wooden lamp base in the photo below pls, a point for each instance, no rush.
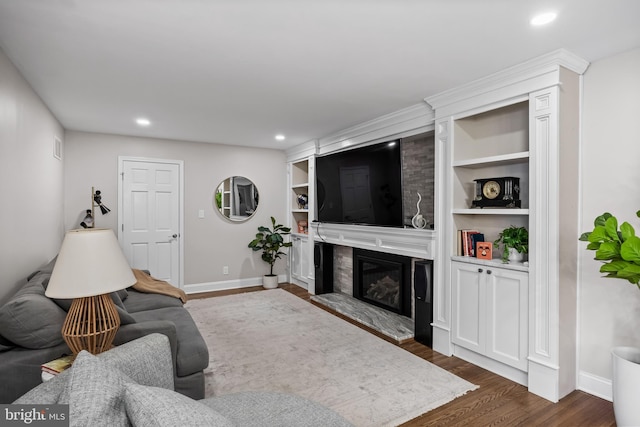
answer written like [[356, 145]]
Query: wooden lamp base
[[91, 324]]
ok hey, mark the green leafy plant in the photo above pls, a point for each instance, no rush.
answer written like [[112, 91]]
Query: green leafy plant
[[270, 241], [219, 199], [618, 249], [513, 237]]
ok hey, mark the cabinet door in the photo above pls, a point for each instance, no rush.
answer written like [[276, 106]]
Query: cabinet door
[[304, 259], [468, 306], [507, 317], [296, 257]]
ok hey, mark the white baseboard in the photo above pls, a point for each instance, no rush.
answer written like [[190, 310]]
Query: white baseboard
[[196, 288], [595, 385]]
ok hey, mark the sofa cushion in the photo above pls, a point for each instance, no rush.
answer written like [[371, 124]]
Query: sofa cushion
[[30, 319], [159, 407], [46, 393], [193, 355], [95, 392], [146, 360], [5, 344], [125, 317]]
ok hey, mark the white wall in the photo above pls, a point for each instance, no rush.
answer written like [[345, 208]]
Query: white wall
[[609, 309], [209, 243], [31, 181]]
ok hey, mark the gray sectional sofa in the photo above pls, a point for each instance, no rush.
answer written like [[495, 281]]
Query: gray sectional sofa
[[31, 324], [132, 385]]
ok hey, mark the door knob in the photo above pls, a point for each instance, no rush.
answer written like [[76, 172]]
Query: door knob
[[175, 236]]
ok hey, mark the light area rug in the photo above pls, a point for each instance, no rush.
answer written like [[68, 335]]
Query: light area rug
[[274, 341]]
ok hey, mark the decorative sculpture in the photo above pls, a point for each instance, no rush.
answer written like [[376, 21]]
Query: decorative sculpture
[[418, 220]]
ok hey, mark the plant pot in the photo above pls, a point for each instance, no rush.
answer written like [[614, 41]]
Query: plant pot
[[269, 281], [626, 385], [515, 256]]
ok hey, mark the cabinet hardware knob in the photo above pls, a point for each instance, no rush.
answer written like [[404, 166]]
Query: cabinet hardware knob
[[479, 270], [488, 271]]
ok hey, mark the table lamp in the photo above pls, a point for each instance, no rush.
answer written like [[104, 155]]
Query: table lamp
[[89, 267]]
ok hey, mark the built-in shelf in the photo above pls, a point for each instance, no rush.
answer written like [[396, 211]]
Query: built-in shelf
[[500, 160], [478, 211], [300, 210], [300, 186], [496, 263]]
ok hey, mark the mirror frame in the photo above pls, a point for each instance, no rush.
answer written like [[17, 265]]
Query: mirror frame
[[228, 194]]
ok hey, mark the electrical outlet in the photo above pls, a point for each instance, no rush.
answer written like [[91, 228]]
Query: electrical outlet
[[225, 269], [201, 213]]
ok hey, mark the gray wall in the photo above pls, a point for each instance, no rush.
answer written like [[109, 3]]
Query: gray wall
[[418, 174], [31, 181], [609, 309], [210, 242]]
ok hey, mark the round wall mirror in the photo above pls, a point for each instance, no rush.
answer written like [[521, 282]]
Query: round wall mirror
[[236, 198]]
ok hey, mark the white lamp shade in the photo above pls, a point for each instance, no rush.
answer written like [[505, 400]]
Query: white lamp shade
[[90, 263]]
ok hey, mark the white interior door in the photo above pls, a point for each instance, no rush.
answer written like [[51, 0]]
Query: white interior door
[[150, 217]]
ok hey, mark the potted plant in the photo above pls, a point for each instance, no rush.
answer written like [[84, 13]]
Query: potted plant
[[515, 243], [270, 241], [619, 250]]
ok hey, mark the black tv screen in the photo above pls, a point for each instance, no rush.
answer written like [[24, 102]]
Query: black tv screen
[[361, 186]]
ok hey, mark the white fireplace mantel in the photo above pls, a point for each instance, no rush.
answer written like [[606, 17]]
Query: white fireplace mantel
[[410, 242]]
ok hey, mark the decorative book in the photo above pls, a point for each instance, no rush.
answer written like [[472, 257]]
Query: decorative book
[[56, 366]]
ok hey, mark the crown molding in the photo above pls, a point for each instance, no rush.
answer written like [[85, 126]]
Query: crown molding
[[301, 151], [540, 71], [412, 120]]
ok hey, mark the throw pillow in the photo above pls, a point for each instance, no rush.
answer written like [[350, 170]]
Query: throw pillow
[[153, 406], [95, 393], [31, 320], [48, 269], [123, 294], [125, 317]]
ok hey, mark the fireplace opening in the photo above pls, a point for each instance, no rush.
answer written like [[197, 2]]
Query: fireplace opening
[[382, 280]]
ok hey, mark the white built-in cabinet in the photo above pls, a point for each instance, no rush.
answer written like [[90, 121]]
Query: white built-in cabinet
[[300, 258], [491, 309], [516, 320], [301, 182]]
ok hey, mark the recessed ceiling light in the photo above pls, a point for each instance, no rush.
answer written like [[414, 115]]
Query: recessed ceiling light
[[543, 18], [280, 137], [143, 122]]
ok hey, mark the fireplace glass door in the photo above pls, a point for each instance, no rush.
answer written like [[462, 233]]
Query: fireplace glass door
[[383, 280]]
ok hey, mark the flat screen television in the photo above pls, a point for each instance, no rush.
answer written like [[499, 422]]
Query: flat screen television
[[361, 186]]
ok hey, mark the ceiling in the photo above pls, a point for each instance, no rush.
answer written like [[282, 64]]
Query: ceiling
[[241, 71]]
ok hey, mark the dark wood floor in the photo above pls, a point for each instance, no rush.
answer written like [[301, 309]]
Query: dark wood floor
[[497, 402]]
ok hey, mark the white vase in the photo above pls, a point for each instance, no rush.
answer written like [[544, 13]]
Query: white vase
[[515, 256], [626, 385], [270, 282]]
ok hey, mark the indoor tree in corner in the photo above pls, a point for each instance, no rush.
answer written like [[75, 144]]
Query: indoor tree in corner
[[619, 250], [270, 241]]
